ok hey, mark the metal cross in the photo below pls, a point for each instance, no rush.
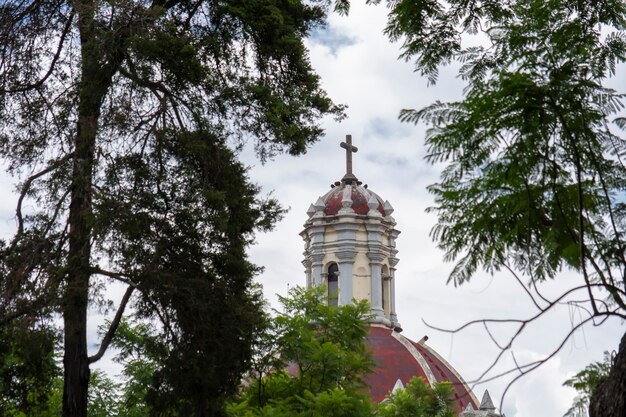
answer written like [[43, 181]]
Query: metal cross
[[350, 149]]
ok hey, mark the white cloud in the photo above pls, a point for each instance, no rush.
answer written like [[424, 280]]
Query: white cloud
[[541, 393]]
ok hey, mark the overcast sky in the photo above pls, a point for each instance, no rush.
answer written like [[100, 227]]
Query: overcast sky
[[359, 68]]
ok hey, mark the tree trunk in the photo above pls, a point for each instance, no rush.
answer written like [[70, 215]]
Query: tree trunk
[[609, 398], [76, 298], [91, 90], [76, 367]]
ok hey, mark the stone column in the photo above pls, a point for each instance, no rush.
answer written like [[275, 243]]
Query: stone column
[[346, 260], [317, 260], [307, 271], [392, 290], [376, 267]]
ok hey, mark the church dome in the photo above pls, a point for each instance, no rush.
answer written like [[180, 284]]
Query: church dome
[[350, 196], [356, 196], [398, 359]]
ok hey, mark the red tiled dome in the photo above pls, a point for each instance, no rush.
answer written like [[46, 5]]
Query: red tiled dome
[[359, 195], [397, 357]]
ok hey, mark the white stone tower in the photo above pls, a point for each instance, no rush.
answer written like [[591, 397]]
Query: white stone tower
[[350, 245]]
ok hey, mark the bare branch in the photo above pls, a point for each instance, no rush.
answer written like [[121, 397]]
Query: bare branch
[[529, 367], [108, 337], [534, 365], [127, 280], [517, 278], [26, 187], [57, 209], [115, 275], [524, 368], [39, 83], [552, 304], [493, 339]]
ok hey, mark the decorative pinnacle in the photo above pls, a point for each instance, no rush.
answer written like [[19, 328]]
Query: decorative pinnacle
[[486, 403], [350, 149]]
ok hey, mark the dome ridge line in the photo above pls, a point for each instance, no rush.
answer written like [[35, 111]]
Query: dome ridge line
[[418, 356], [454, 371]]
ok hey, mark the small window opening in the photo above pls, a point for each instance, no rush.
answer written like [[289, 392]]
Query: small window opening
[[333, 285]]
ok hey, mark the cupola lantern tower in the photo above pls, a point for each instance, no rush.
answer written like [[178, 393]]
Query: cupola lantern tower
[[350, 245], [350, 248]]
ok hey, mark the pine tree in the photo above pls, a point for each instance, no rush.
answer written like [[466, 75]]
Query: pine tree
[[122, 120]]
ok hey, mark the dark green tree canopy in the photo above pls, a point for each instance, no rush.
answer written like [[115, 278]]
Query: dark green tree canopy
[[28, 367], [535, 173], [534, 176], [122, 120], [530, 149]]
